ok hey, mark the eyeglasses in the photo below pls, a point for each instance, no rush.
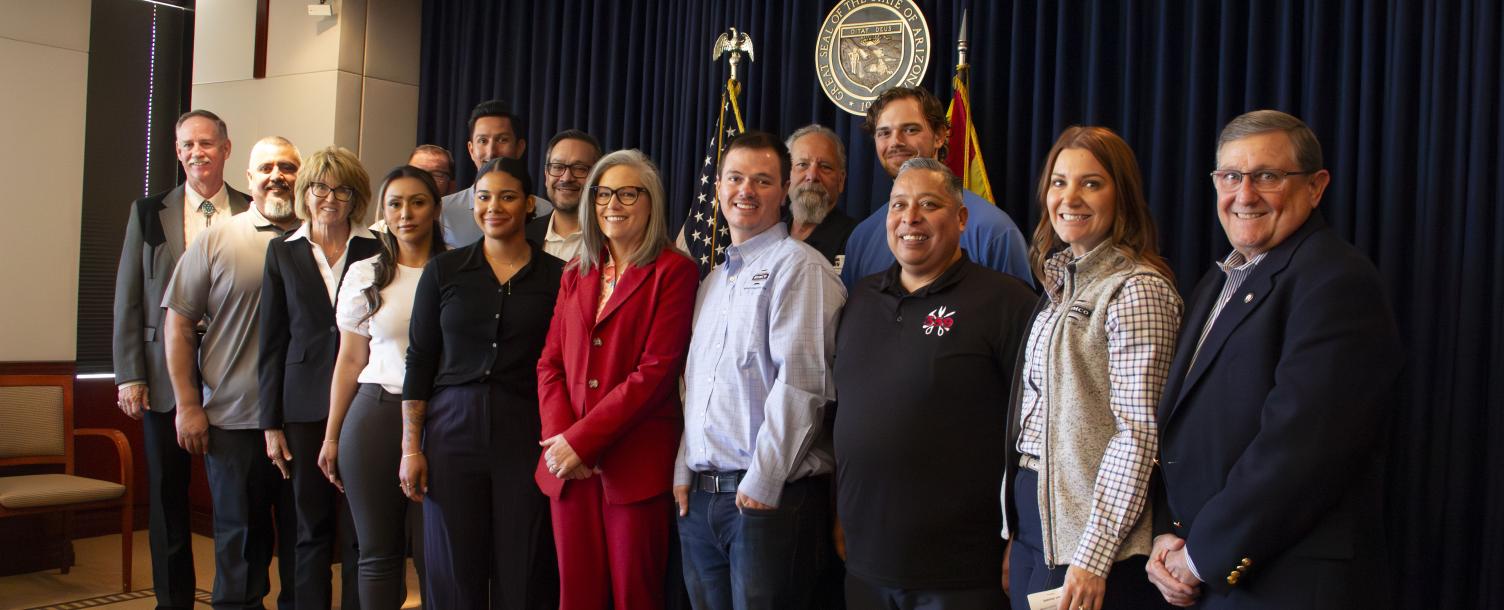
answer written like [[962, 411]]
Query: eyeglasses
[[627, 195], [1227, 180], [320, 189], [578, 170]]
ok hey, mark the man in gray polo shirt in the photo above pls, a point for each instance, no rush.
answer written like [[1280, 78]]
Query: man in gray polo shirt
[[218, 281]]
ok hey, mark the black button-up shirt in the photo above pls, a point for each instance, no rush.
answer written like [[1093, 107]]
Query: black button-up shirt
[[469, 328], [923, 380], [829, 237]]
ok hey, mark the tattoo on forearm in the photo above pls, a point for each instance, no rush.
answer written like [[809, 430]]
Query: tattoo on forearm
[[413, 412]]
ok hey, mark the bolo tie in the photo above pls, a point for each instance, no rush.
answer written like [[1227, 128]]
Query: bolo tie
[[208, 210]]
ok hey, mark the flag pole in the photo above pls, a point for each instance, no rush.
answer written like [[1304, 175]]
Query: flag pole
[[962, 68]]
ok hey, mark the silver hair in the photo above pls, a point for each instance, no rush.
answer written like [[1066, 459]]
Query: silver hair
[[952, 183], [280, 141], [593, 241], [1307, 147], [818, 129]]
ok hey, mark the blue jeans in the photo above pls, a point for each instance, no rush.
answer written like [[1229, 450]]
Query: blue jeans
[[754, 559]]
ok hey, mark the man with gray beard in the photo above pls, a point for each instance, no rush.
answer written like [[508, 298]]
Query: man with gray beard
[[817, 179], [218, 282]]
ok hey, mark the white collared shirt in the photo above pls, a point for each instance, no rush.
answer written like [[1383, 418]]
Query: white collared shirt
[[194, 221], [562, 247], [330, 270]]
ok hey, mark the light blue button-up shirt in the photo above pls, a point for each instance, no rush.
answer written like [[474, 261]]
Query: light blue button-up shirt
[[758, 377]]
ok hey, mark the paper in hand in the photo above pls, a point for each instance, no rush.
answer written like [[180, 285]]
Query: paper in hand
[[1045, 600]]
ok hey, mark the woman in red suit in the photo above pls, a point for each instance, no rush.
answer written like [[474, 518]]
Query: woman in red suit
[[608, 392]]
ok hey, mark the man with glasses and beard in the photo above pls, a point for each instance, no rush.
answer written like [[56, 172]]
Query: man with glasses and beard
[[571, 154], [817, 180], [218, 282]]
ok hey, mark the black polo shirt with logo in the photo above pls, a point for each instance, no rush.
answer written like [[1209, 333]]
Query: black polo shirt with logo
[[922, 381]]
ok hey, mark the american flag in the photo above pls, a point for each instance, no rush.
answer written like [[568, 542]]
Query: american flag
[[705, 235]]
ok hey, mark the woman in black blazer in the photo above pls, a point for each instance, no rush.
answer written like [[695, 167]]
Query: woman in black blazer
[[299, 341]]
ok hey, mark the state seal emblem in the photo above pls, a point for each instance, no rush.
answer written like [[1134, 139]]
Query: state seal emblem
[[866, 47]]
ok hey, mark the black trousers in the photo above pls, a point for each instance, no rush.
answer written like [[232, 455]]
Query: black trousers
[[485, 523], [320, 514], [866, 595], [246, 488], [370, 452], [168, 472]]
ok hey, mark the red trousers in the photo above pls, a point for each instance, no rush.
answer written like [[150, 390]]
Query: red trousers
[[610, 552]]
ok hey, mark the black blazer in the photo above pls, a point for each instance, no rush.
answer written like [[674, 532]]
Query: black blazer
[[151, 249], [1272, 444], [299, 339], [537, 228]]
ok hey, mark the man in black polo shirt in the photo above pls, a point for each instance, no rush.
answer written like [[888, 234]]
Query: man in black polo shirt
[[924, 363]]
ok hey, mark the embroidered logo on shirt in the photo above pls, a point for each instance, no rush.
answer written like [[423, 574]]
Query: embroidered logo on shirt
[[1079, 311], [939, 321], [760, 276]]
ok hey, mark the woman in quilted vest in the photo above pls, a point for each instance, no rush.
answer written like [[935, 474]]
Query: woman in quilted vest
[[1082, 434]]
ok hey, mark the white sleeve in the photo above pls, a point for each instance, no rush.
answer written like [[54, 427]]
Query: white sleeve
[[350, 307]]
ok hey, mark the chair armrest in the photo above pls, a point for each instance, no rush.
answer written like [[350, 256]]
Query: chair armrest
[[122, 450]]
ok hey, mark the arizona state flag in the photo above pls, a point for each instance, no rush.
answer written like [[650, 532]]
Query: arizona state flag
[[965, 155]]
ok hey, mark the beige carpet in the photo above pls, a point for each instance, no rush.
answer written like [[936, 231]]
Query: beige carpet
[[94, 582]]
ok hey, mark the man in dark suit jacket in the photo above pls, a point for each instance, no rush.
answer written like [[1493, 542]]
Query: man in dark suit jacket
[[157, 231], [1274, 416], [567, 163]]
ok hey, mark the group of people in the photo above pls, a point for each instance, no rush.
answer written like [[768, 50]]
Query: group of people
[[545, 403]]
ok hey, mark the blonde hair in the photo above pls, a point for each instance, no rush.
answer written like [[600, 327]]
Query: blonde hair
[[339, 162]]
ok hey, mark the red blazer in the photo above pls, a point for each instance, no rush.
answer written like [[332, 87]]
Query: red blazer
[[612, 387]]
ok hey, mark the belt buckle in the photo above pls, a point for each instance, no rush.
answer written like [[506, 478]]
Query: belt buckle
[[716, 485]]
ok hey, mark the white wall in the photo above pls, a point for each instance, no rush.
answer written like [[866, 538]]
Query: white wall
[[350, 80], [44, 61]]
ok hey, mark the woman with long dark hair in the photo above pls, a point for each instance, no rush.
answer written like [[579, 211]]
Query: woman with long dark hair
[[361, 449], [1082, 433], [470, 425]]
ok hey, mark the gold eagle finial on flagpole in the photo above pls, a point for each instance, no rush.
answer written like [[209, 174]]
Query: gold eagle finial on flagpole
[[735, 43]]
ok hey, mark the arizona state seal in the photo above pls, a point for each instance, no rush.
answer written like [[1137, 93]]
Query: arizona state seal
[[866, 47]]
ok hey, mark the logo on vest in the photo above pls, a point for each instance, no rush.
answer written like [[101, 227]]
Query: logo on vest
[[939, 321]]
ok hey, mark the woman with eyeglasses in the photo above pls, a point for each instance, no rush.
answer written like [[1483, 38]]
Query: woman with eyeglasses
[[470, 425], [1082, 433], [361, 452], [608, 391], [299, 342]]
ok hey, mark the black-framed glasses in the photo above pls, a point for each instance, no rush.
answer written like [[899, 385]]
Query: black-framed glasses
[[578, 170], [1228, 180], [627, 195], [343, 193]]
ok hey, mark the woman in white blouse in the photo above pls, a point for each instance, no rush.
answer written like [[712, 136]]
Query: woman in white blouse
[[361, 449]]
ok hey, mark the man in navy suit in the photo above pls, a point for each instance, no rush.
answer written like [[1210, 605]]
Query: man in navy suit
[[1274, 417]]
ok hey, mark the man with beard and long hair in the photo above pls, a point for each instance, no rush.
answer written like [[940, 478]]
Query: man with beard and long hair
[[571, 154], [218, 282], [157, 231], [817, 179]]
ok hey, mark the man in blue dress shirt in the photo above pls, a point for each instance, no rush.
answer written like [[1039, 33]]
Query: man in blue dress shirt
[[752, 480], [908, 122]]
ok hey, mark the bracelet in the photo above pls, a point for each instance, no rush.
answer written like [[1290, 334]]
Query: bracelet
[[408, 455]]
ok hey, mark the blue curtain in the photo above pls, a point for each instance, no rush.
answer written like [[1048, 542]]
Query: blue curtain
[[1405, 97]]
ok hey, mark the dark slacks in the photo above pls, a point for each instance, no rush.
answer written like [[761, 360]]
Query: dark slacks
[[244, 485], [865, 595], [168, 470], [320, 516], [484, 519], [1128, 587], [755, 559], [370, 451], [610, 555]]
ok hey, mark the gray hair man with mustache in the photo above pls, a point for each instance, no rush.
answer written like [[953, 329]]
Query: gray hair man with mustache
[[159, 227], [817, 179]]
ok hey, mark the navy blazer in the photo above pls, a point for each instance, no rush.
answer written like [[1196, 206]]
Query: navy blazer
[[299, 339], [1271, 451]]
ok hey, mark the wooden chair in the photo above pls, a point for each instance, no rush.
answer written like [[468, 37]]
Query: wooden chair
[[36, 427]]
